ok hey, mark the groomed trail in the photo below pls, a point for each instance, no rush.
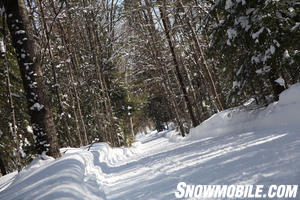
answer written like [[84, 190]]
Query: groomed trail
[[232, 147], [248, 158]]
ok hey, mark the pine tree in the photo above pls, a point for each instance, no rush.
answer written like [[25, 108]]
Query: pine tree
[[250, 40]]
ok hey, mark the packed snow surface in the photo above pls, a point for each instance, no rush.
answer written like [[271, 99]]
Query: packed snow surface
[[236, 146]]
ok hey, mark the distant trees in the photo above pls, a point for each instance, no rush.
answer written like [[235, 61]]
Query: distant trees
[[157, 110], [170, 57], [206, 56], [85, 59]]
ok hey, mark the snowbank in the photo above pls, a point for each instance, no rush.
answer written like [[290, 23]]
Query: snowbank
[[280, 115], [77, 175]]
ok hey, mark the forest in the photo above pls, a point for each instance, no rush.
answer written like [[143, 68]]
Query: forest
[[77, 72]]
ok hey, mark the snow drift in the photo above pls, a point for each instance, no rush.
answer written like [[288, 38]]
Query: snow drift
[[77, 175], [282, 115]]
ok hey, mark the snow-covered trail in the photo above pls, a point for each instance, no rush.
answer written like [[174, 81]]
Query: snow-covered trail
[[153, 168], [247, 158]]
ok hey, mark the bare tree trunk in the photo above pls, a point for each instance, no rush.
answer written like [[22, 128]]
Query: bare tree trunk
[[94, 48], [166, 24], [76, 121], [32, 76], [166, 79], [130, 117], [131, 128], [2, 167], [74, 62], [56, 86], [200, 50]]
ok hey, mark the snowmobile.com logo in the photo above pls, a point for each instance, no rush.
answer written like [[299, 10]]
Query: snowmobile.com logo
[[235, 191]]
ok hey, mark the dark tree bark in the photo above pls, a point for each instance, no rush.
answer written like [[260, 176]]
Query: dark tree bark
[[277, 88], [166, 79], [2, 167], [166, 24], [206, 68], [32, 76]]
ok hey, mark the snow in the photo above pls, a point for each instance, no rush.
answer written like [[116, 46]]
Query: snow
[[277, 116], [2, 46], [16, 95], [290, 96], [280, 81], [5, 181], [33, 85], [271, 50], [291, 9], [228, 4], [60, 47], [249, 10], [268, 53], [37, 106], [256, 34], [2, 11], [255, 59], [263, 70], [29, 129], [244, 22], [294, 28], [231, 33], [23, 154], [235, 84], [19, 32], [286, 54], [232, 147], [276, 43]]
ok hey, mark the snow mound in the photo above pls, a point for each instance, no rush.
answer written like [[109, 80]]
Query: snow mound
[[79, 174], [290, 96], [280, 115], [174, 136]]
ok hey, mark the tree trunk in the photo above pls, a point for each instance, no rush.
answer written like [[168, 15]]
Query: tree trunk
[[166, 79], [166, 24], [131, 129], [56, 86], [32, 76], [277, 88], [76, 121], [74, 62], [95, 44], [2, 167], [206, 68]]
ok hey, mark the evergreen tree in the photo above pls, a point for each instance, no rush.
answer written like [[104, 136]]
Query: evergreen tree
[[250, 43]]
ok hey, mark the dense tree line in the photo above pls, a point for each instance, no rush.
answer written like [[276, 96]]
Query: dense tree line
[[75, 72]]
